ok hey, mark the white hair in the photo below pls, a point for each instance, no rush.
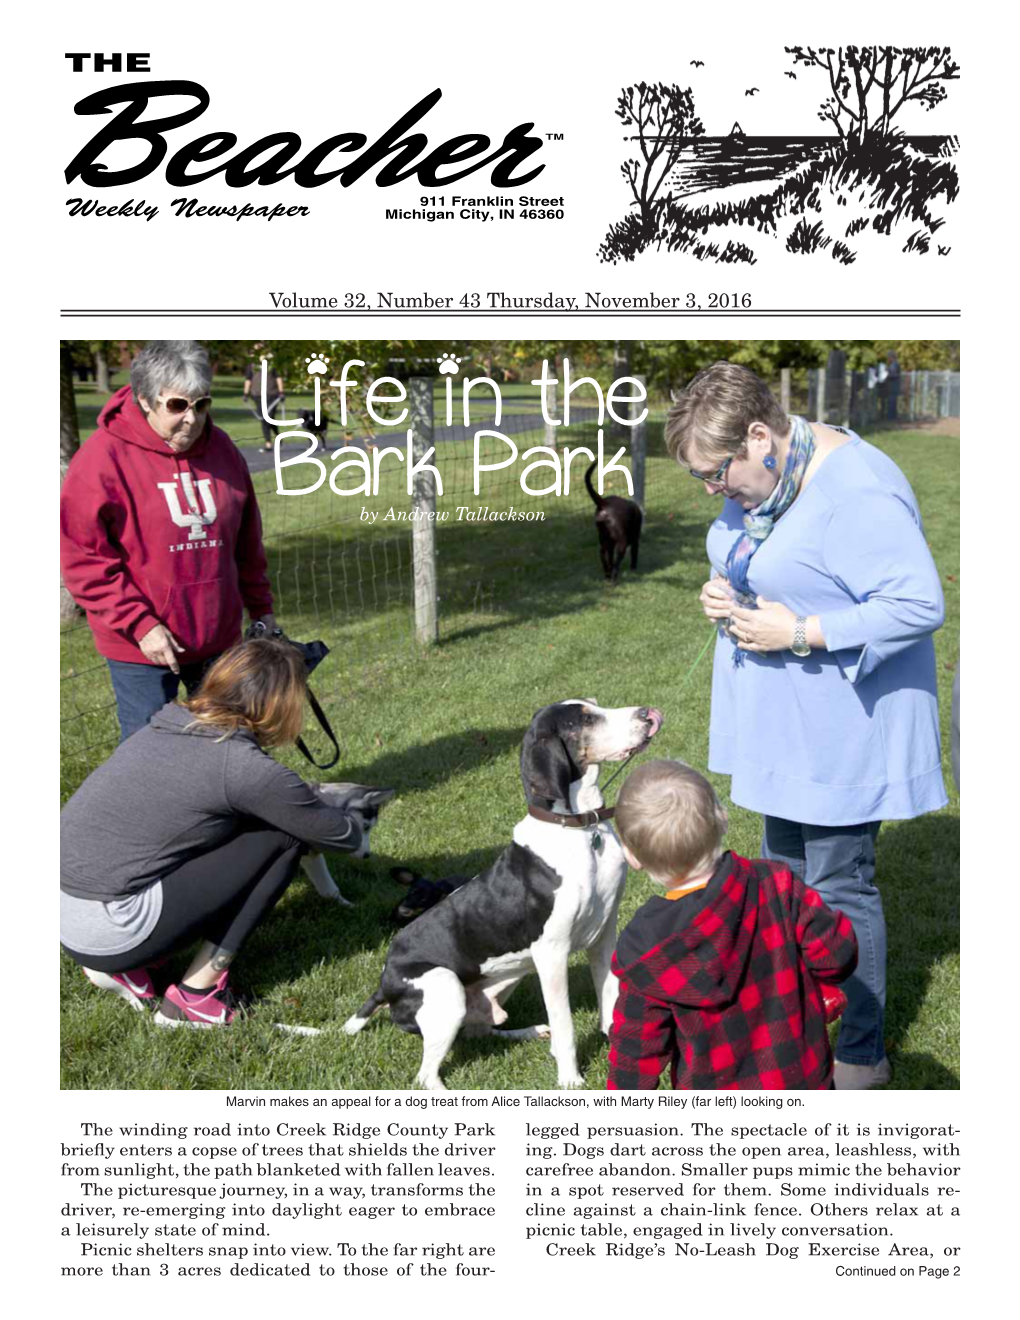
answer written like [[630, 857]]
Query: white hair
[[181, 365]]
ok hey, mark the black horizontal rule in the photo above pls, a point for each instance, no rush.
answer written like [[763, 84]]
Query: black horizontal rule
[[463, 314]]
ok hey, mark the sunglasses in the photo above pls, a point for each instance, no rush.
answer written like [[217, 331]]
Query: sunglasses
[[717, 478], [176, 406]]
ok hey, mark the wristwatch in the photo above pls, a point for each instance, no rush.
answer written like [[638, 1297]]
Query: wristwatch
[[799, 645]]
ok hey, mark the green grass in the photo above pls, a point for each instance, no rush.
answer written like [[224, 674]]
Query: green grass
[[525, 619]]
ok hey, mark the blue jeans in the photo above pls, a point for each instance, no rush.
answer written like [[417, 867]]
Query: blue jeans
[[839, 862], [141, 690]]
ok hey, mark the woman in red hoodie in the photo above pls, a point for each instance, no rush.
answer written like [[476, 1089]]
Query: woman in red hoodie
[[160, 534]]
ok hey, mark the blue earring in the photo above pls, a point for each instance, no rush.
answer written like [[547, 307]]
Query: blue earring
[[769, 461]]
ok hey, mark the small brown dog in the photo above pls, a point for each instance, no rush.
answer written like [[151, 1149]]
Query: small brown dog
[[618, 522]]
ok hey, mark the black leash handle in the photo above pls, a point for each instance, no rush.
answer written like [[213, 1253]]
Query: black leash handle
[[312, 653], [327, 729]]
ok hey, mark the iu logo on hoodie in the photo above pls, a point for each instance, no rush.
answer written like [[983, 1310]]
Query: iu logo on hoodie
[[192, 516]]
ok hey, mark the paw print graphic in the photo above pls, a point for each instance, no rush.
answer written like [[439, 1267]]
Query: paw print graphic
[[449, 364], [317, 364]]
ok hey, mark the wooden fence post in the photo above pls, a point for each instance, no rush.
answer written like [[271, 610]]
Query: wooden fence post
[[857, 397], [784, 390], [550, 404], [423, 528], [834, 395], [816, 394], [638, 450]]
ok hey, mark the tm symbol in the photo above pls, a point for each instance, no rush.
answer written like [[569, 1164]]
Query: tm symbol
[[554, 137]]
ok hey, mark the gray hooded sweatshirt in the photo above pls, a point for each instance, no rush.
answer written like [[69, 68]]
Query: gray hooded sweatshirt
[[167, 794]]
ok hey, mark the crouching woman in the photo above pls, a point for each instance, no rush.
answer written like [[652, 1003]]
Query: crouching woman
[[192, 831]]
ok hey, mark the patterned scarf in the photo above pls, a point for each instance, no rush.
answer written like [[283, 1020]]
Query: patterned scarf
[[759, 522]]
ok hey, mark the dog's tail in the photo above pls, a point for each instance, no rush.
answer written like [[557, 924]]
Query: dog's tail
[[599, 501], [360, 1019]]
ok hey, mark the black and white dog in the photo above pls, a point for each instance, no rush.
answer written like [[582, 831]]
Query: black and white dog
[[554, 890]]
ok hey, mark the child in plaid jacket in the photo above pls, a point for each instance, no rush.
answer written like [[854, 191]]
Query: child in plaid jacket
[[723, 975]]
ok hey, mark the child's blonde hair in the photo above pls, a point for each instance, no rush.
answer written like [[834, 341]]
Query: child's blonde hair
[[671, 820]]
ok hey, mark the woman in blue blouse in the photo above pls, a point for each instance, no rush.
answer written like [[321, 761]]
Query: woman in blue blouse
[[824, 707]]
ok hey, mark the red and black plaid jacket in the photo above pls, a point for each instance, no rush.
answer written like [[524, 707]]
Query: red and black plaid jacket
[[724, 983]]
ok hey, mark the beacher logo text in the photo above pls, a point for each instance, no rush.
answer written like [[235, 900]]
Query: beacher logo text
[[193, 516], [396, 154]]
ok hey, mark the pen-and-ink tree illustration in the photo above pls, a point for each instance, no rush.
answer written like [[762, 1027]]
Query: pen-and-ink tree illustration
[[728, 198], [662, 116], [869, 85]]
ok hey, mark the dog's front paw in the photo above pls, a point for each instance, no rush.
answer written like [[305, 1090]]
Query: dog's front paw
[[570, 1081], [542, 1031], [315, 868]]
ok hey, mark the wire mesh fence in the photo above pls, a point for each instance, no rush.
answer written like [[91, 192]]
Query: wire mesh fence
[[864, 400]]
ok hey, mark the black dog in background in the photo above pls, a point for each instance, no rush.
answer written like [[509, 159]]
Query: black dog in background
[[319, 431], [618, 522], [421, 894]]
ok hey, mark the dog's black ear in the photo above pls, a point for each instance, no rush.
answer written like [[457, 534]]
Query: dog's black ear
[[546, 768]]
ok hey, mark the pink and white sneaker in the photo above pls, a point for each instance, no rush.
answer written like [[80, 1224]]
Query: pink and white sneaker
[[134, 986], [182, 1008]]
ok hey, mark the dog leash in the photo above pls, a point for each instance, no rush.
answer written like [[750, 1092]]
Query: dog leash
[[326, 728], [686, 680]]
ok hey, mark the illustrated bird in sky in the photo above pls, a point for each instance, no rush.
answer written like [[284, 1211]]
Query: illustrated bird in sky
[[790, 75], [699, 64], [751, 91]]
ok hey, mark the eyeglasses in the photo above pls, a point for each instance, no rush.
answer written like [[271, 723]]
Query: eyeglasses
[[176, 406], [717, 478]]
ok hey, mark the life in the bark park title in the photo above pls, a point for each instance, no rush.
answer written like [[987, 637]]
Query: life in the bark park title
[[355, 471], [144, 122]]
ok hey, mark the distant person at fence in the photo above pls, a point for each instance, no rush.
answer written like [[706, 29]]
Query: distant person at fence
[[192, 831], [160, 533], [252, 391], [730, 975], [824, 700]]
